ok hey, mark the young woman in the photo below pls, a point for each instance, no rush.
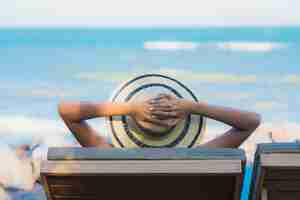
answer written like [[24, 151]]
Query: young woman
[[164, 110]]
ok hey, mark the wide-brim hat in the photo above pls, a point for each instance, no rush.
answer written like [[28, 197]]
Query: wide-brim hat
[[127, 132]]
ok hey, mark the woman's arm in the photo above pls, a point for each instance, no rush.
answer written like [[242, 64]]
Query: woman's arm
[[75, 114], [78, 111], [239, 119], [243, 122]]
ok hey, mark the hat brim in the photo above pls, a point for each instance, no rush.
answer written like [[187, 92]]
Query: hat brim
[[186, 134]]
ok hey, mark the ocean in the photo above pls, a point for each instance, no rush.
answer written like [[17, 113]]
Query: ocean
[[252, 68]]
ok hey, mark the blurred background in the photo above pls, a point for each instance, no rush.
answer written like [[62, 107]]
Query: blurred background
[[232, 53]]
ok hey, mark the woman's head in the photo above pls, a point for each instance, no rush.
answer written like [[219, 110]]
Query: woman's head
[[155, 129], [127, 131]]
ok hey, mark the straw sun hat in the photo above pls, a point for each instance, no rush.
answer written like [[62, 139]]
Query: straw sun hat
[[129, 133]]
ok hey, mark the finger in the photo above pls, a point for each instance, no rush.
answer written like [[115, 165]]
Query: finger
[[161, 108], [152, 101], [157, 101], [160, 117], [162, 105], [164, 113], [161, 102], [173, 122], [162, 95], [167, 96], [150, 109], [158, 97], [166, 108], [160, 113]]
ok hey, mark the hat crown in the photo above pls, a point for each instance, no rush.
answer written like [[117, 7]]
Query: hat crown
[[153, 130], [130, 133]]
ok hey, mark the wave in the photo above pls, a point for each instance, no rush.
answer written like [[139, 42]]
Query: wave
[[251, 46], [170, 45], [228, 46]]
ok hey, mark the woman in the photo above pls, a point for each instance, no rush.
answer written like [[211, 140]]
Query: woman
[[163, 110]]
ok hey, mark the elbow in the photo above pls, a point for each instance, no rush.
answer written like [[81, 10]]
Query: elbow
[[68, 111], [62, 110], [254, 121]]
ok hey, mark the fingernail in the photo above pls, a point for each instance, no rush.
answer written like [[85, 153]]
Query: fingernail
[[153, 101]]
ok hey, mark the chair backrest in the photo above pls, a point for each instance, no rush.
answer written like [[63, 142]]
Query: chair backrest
[[90, 173], [276, 173]]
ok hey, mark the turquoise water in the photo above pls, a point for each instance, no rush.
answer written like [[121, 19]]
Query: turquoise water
[[254, 68]]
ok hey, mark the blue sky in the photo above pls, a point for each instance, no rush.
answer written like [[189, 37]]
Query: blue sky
[[149, 13]]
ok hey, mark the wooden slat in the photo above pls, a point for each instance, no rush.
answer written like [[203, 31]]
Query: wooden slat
[[289, 147], [143, 167], [283, 195], [287, 185], [152, 187], [279, 174], [74, 197], [146, 154], [280, 160]]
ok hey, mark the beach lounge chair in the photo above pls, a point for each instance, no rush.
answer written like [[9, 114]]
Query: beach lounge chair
[[90, 173], [276, 173]]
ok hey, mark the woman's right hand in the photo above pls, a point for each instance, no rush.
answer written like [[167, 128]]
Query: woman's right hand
[[143, 111], [168, 106]]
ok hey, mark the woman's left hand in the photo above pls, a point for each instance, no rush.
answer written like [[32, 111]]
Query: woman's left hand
[[167, 107], [143, 111]]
